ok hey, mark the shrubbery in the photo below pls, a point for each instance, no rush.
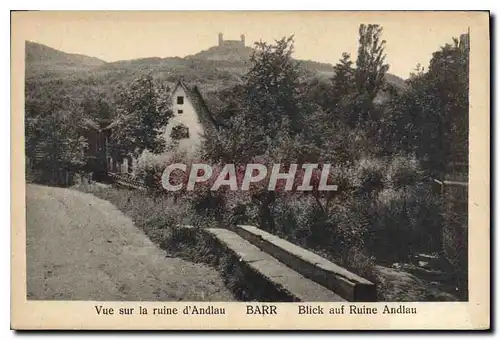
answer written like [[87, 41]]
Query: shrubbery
[[389, 214], [383, 211]]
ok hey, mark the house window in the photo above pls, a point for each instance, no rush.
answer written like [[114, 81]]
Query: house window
[[180, 100], [179, 132], [180, 111]]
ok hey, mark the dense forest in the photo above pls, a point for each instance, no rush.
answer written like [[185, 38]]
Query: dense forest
[[386, 139]]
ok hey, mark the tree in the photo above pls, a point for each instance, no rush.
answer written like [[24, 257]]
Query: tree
[[370, 71], [356, 85], [95, 104], [343, 79], [143, 110], [319, 94], [349, 117], [55, 146], [370, 63], [272, 87], [343, 92], [431, 117]]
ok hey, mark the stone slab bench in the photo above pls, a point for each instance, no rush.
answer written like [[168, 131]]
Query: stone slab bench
[[338, 279], [284, 279]]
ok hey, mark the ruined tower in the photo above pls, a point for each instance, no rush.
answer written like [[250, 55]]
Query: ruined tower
[[232, 43]]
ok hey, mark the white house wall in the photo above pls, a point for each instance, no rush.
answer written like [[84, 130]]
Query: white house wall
[[189, 118]]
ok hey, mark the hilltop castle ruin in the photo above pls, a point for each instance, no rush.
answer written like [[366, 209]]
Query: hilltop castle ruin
[[232, 43]]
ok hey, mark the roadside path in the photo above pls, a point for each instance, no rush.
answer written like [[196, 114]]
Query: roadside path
[[80, 247]]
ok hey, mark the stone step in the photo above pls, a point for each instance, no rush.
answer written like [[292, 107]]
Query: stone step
[[285, 279], [343, 282]]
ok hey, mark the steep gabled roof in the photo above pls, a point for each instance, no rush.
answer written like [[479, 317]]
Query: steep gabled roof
[[201, 108]]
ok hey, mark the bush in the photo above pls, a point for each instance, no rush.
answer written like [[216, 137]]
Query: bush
[[403, 171], [295, 218], [359, 262], [368, 175], [179, 132], [402, 222], [149, 167]]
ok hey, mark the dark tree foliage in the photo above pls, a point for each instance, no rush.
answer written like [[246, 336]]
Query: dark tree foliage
[[97, 106], [370, 63], [143, 110], [369, 75], [431, 117], [272, 87], [226, 102], [55, 146], [355, 85], [343, 81]]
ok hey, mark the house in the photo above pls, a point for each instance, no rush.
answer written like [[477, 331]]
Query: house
[[184, 131], [191, 118]]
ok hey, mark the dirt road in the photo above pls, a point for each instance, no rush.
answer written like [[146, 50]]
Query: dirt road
[[80, 247]]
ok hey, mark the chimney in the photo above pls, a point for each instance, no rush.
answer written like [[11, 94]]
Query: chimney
[[242, 40], [220, 39]]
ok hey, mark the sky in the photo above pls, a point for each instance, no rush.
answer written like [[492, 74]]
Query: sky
[[321, 36]]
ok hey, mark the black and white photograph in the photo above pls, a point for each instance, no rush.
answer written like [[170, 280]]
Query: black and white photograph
[[247, 157]]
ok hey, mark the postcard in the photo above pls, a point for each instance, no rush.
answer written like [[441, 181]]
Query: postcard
[[250, 170]]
